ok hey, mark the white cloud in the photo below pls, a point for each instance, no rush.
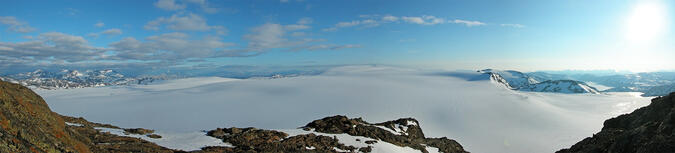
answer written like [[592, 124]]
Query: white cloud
[[287, 1], [204, 5], [296, 27], [325, 47], [271, 36], [347, 24], [266, 36], [16, 25], [172, 5], [99, 24], [390, 18], [52, 46], [331, 29], [468, 23], [113, 31], [169, 47], [169, 5], [366, 23], [71, 11], [370, 23], [298, 34], [512, 25], [416, 20], [182, 22], [424, 20], [305, 20], [376, 20]]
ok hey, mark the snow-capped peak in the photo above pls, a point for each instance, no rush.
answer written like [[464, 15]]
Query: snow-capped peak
[[520, 81]]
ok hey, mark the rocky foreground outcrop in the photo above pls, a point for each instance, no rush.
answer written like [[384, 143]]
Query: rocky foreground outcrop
[[404, 132], [646, 130], [28, 125]]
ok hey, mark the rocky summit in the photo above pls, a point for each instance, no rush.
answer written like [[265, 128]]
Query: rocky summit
[[647, 130], [403, 132]]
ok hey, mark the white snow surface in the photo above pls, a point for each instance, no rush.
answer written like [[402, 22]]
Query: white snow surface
[[482, 118], [186, 141]]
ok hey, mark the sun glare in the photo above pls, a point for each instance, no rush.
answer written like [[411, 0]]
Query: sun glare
[[646, 22]]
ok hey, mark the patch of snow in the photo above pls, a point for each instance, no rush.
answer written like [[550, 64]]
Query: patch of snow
[[73, 124], [409, 123], [388, 129], [186, 141], [340, 150], [432, 149], [401, 129], [598, 86]]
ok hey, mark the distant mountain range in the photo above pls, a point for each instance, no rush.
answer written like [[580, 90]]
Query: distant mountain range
[[523, 82], [68, 79], [651, 84], [78, 79]]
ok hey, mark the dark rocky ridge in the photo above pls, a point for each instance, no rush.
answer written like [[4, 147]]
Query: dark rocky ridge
[[256, 140], [410, 135], [646, 130]]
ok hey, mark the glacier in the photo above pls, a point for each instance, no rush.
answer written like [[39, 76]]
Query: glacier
[[481, 117]]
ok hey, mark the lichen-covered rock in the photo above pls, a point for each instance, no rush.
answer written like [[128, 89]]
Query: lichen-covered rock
[[28, 125], [646, 130]]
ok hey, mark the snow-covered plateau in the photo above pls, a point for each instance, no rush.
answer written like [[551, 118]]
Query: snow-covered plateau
[[481, 117]]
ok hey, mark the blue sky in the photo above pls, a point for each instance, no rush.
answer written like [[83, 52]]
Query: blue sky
[[522, 35]]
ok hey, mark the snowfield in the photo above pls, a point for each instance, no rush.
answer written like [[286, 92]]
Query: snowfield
[[480, 116]]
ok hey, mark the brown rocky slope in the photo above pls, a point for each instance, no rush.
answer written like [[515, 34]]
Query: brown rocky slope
[[646, 130], [28, 125]]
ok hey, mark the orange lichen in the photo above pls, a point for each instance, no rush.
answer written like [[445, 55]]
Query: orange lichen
[[58, 133], [26, 105], [33, 150], [4, 122], [81, 148]]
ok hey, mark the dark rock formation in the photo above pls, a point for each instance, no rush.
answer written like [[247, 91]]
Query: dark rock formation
[[402, 132], [646, 130], [140, 131], [258, 140]]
